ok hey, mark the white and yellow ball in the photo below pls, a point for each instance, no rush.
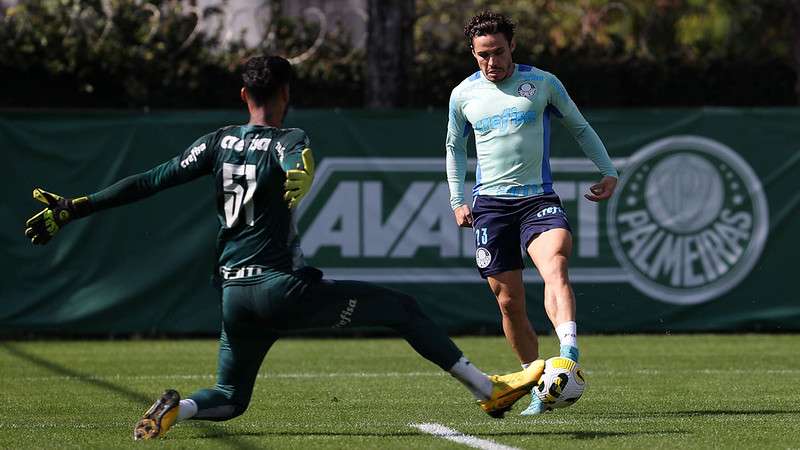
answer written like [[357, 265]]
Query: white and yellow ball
[[561, 384]]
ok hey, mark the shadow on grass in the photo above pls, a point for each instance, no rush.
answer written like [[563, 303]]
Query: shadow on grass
[[729, 412], [130, 394], [583, 434], [67, 372], [705, 412], [580, 435]]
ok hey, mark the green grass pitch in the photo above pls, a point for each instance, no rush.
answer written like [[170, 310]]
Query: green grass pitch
[[644, 392]]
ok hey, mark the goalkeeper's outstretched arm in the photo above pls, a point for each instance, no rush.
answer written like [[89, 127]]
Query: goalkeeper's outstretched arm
[[59, 211]]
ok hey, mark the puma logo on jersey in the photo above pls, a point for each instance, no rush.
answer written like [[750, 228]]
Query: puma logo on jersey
[[235, 143], [192, 156]]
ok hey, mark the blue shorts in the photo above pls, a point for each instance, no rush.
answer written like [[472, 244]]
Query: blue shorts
[[505, 226]]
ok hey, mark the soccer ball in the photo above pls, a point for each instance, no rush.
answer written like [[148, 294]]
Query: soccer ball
[[562, 383]]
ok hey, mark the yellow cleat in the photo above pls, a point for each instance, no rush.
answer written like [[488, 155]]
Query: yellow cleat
[[510, 388], [159, 418]]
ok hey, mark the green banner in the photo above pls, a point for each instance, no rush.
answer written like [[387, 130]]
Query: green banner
[[697, 237]]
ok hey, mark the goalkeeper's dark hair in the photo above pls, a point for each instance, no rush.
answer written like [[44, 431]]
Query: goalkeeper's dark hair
[[487, 22], [263, 76]]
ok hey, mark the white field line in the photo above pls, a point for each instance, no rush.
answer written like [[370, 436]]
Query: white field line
[[314, 375], [456, 436]]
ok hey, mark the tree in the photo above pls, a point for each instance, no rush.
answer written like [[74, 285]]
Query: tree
[[390, 52], [609, 53], [796, 45]]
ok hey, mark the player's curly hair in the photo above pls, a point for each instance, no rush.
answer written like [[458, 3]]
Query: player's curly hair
[[264, 75], [488, 22]]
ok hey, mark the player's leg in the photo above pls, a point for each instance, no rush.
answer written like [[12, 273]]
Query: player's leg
[[510, 293], [547, 236], [550, 253], [344, 304], [238, 363], [499, 260], [347, 304], [243, 344], [545, 230], [566, 327]]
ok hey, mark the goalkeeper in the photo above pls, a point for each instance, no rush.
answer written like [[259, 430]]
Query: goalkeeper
[[261, 171]]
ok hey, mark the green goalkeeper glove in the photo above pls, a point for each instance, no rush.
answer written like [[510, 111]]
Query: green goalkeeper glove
[[59, 212], [298, 181]]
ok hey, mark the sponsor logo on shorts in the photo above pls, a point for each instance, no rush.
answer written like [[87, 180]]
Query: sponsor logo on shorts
[[526, 89], [689, 219], [482, 257], [550, 210], [346, 316]]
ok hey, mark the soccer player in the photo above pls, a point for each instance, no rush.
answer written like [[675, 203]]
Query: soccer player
[[509, 107], [261, 171]]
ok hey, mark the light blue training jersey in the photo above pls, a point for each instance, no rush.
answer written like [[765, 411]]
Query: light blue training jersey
[[511, 122]]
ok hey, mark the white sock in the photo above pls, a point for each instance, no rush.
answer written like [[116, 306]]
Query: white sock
[[476, 381], [526, 365], [568, 333], [187, 409]]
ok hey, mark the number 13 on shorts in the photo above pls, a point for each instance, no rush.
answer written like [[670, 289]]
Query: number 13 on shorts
[[480, 237]]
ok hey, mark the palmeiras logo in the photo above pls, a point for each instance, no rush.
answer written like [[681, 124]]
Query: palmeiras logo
[[482, 257], [526, 89], [689, 220]]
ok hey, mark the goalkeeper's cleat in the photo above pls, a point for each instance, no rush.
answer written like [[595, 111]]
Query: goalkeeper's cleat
[[159, 418], [536, 407], [507, 389]]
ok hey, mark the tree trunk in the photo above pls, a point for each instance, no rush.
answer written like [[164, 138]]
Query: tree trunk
[[795, 5], [390, 52]]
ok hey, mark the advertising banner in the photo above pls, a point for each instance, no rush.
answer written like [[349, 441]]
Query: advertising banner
[[696, 238]]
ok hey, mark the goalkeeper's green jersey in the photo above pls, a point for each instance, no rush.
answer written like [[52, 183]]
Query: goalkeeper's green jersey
[[248, 163]]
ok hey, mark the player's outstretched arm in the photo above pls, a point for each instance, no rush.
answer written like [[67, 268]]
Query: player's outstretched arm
[[59, 212], [189, 165], [299, 180]]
